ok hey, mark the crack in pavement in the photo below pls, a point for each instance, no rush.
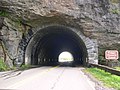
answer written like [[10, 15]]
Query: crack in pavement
[[57, 80]]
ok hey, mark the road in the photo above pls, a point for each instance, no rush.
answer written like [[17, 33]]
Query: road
[[46, 78]]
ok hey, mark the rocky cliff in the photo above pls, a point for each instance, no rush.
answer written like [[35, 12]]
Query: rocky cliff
[[99, 19]]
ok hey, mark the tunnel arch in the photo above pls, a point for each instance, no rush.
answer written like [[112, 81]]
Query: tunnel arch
[[47, 43]]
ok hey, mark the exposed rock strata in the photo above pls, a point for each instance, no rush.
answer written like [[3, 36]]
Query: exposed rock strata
[[99, 19]]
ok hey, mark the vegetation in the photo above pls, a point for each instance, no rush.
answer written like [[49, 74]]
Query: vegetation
[[115, 11], [114, 1], [102, 60], [117, 68], [3, 13], [112, 81], [24, 67], [3, 66]]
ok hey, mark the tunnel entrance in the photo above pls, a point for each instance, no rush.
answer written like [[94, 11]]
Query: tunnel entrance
[[48, 43]]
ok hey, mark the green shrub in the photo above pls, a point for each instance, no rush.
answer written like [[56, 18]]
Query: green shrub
[[115, 11], [101, 60], [3, 13], [3, 66], [23, 67]]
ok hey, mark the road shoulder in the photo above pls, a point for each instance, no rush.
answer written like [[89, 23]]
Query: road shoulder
[[98, 84]]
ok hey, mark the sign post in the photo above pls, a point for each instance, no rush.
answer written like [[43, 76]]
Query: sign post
[[111, 54]]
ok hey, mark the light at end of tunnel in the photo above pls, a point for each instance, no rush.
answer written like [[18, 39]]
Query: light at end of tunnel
[[66, 57]]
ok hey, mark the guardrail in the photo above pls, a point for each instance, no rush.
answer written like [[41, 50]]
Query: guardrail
[[107, 69]]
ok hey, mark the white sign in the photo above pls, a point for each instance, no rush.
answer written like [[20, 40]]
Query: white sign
[[111, 54]]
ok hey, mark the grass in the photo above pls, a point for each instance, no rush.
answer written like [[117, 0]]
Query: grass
[[117, 68], [24, 67], [3, 66], [109, 80]]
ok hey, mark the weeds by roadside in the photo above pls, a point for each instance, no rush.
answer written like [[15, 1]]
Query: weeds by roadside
[[117, 68], [109, 80], [3, 66], [24, 67]]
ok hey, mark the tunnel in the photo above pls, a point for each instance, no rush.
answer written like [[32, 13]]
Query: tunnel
[[48, 43]]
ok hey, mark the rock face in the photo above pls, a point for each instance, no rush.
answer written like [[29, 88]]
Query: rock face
[[99, 20]]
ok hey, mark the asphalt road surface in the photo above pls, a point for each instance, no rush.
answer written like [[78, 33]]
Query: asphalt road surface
[[46, 78]]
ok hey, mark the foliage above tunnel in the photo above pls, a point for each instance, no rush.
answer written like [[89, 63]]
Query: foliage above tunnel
[[115, 1]]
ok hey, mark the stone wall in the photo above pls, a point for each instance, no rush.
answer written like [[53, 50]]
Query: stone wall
[[99, 20]]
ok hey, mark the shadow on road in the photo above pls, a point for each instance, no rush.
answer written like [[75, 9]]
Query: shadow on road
[[11, 74]]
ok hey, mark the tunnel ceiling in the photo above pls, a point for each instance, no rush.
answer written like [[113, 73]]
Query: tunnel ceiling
[[49, 42]]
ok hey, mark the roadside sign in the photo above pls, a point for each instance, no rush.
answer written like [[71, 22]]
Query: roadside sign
[[111, 54]]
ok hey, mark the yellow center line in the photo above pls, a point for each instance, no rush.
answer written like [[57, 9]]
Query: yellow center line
[[18, 84]]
